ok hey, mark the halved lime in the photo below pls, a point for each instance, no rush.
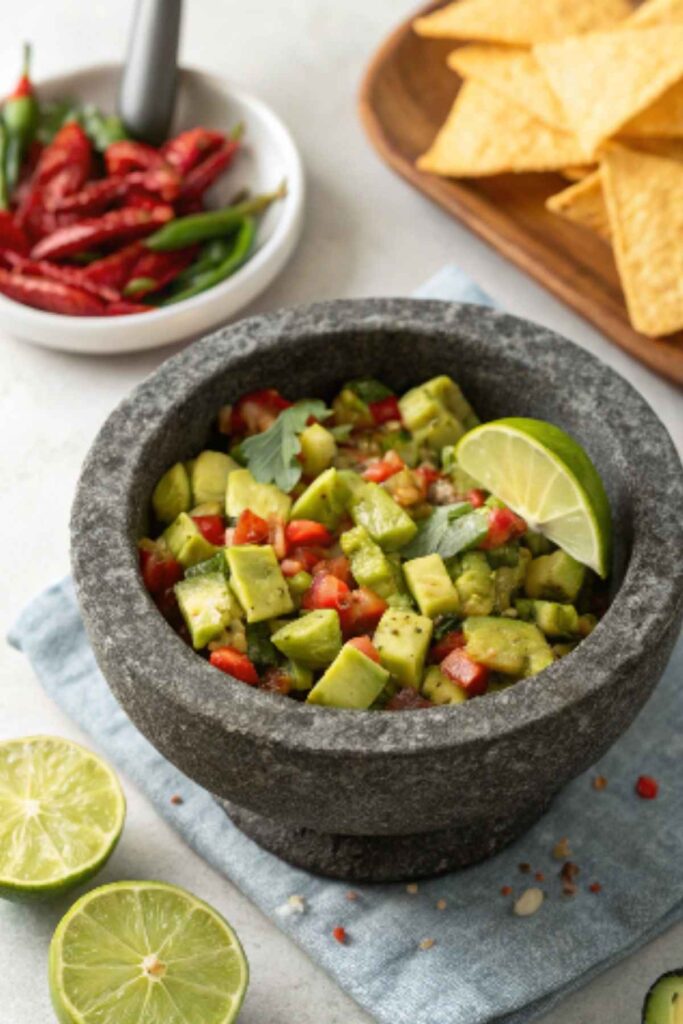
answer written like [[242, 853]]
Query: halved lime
[[61, 814], [145, 953], [546, 477]]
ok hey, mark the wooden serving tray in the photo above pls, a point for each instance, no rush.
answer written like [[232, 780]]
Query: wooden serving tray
[[405, 97]]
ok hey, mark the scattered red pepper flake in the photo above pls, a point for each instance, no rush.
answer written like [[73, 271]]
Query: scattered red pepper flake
[[339, 934], [506, 890], [177, 799], [539, 876], [595, 887], [599, 782], [647, 787]]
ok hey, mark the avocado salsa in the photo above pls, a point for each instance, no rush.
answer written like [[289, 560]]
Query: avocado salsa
[[342, 557]]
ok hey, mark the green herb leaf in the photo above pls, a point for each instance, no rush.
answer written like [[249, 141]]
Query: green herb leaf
[[341, 431], [449, 529], [446, 624], [369, 390], [272, 456], [259, 647]]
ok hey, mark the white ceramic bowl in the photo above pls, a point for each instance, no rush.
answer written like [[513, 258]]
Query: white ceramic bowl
[[268, 156]]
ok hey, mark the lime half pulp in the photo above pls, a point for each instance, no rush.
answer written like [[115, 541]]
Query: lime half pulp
[[145, 953], [61, 814], [546, 477]]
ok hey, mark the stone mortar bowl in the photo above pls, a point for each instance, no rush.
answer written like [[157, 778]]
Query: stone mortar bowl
[[377, 796]]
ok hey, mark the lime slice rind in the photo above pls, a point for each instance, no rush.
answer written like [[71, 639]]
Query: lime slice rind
[[106, 974], [45, 852], [545, 476]]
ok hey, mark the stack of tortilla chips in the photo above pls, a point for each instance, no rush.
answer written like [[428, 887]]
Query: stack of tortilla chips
[[592, 89]]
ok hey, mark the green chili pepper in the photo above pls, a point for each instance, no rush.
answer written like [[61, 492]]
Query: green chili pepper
[[199, 227], [244, 240], [20, 115], [137, 285], [211, 254], [4, 195]]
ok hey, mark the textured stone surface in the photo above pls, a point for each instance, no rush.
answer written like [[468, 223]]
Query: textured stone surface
[[357, 773]]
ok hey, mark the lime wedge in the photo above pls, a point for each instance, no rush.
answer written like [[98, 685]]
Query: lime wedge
[[61, 814], [548, 479], [145, 953]]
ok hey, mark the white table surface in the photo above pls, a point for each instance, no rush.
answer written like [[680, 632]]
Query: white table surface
[[367, 233]]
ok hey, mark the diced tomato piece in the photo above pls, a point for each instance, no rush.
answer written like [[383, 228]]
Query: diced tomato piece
[[365, 645], [326, 591], [236, 664], [379, 471], [309, 557], [338, 566], [361, 612], [251, 529], [306, 532], [428, 475], [408, 699], [443, 647], [257, 411], [212, 528], [159, 572], [291, 566], [467, 673], [476, 497], [385, 409], [503, 526]]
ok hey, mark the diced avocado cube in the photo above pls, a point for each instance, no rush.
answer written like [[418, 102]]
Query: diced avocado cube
[[324, 500], [208, 508], [172, 495], [402, 640], [537, 543], [217, 563], [505, 556], [349, 408], [552, 618], [437, 412], [505, 645], [441, 690], [209, 477], [257, 580], [206, 605], [431, 586], [443, 429], [418, 409], [369, 565], [474, 584], [383, 518], [186, 542], [556, 577], [450, 396], [352, 681], [314, 639], [265, 500], [508, 580], [318, 449], [349, 483], [300, 675]]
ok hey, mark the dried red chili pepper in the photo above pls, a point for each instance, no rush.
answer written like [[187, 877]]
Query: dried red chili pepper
[[53, 296], [124, 308], [154, 270], [67, 275], [126, 156], [11, 235], [114, 270], [115, 226], [204, 174], [65, 164], [186, 150]]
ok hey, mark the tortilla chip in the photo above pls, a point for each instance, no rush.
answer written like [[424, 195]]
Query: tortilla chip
[[577, 173], [584, 204], [644, 197], [516, 74], [604, 79], [657, 12], [485, 134], [663, 119], [524, 22], [672, 149]]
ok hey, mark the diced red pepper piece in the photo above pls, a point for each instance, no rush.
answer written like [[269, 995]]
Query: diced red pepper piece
[[251, 529], [476, 497], [503, 526], [11, 235], [201, 177], [365, 645], [408, 699], [427, 475], [236, 664], [327, 591], [467, 673], [384, 468], [115, 226], [339, 934], [306, 532], [159, 572], [190, 147], [114, 270], [309, 557], [361, 612], [51, 296], [125, 156], [647, 787], [443, 647], [385, 409], [212, 528], [257, 411]]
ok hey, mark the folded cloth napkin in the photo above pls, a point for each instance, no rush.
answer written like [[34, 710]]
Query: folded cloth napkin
[[451, 950]]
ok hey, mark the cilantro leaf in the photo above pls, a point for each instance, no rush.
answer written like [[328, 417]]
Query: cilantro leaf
[[272, 455], [369, 390], [341, 431], [448, 530]]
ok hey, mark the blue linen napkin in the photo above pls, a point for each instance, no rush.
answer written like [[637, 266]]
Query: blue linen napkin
[[486, 965]]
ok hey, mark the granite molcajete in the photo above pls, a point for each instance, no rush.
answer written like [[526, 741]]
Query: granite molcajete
[[368, 795]]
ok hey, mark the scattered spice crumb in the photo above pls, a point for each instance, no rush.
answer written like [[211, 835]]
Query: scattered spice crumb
[[177, 799], [568, 873], [529, 902], [525, 869], [506, 890], [427, 943], [340, 935], [561, 849], [352, 896], [441, 904], [295, 905], [539, 876], [647, 787], [599, 782], [595, 887], [413, 888], [569, 888]]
